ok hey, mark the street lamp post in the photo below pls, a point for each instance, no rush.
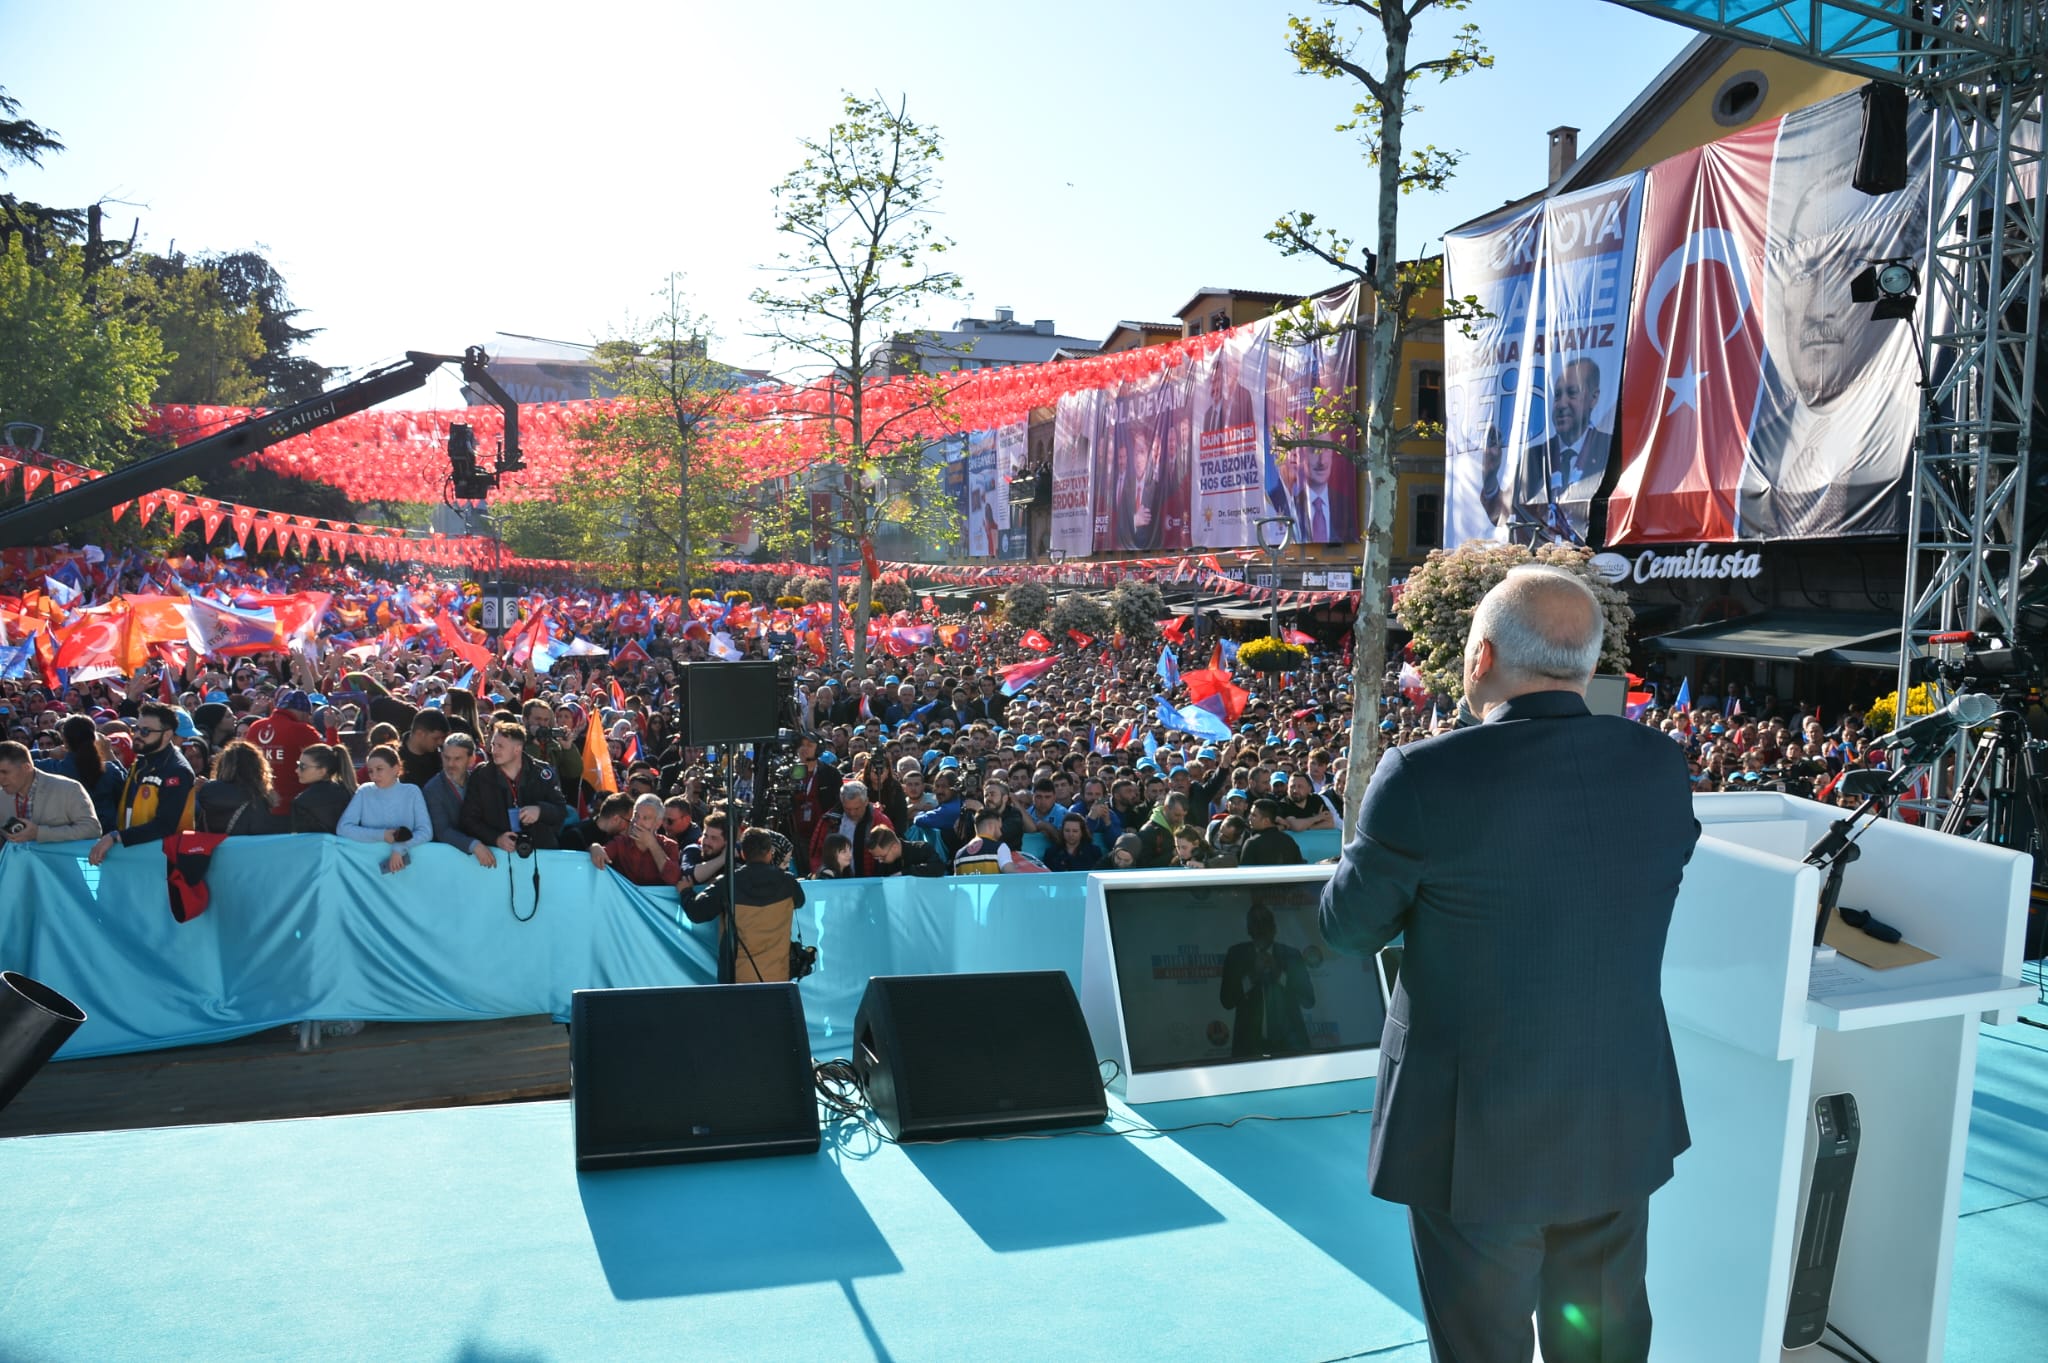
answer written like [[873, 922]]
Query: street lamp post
[[1058, 557], [1275, 534]]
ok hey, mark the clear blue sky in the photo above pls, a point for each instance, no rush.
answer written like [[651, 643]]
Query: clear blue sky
[[427, 174]]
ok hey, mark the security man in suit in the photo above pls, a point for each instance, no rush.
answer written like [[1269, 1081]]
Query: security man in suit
[[1528, 1100]]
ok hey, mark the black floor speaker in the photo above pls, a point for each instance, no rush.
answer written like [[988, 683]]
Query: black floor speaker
[[728, 702], [667, 1076], [942, 1056]]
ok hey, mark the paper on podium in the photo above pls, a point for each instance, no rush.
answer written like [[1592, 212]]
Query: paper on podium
[[1860, 947]]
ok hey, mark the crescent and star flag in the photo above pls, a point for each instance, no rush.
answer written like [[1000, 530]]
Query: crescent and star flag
[[1036, 642], [1017, 676], [630, 652]]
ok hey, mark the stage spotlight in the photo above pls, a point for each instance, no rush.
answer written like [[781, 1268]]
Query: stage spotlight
[[1892, 285]]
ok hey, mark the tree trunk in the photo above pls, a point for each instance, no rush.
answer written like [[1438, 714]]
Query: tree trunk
[[1369, 630], [683, 532]]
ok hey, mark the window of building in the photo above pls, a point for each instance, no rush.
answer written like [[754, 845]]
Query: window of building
[[1426, 521], [1429, 395], [1740, 97], [1219, 320]]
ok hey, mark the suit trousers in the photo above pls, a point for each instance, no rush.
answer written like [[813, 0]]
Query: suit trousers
[[1583, 1282]]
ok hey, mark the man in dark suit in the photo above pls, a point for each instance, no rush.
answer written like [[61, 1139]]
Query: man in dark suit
[[1528, 1100], [1562, 475]]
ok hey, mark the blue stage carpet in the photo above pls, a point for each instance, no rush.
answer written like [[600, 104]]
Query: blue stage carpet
[[466, 1235]]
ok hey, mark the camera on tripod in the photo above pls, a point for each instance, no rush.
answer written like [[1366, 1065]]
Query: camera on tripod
[[1990, 664]]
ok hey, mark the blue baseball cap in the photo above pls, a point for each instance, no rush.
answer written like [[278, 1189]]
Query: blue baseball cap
[[1235, 795], [292, 700], [949, 764]]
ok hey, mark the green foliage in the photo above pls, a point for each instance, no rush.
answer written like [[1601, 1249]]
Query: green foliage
[[1272, 655], [80, 374], [213, 345], [656, 493], [863, 257], [816, 591], [1078, 611], [1138, 607], [1024, 605], [1437, 604]]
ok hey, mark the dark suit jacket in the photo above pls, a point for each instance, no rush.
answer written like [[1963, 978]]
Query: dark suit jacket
[[1526, 1072]]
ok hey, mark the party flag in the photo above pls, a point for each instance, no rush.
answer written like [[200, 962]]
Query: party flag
[[597, 758], [1017, 676]]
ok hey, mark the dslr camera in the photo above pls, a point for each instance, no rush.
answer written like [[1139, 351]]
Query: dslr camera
[[522, 843]]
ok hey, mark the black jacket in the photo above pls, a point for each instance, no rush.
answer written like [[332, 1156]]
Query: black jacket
[[222, 810], [1269, 847], [1526, 1071], [319, 807], [489, 800], [918, 860]]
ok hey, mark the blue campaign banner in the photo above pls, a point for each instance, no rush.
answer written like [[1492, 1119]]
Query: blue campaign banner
[[1531, 394]]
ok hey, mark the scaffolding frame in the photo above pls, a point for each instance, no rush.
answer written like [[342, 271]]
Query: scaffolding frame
[[1983, 67]]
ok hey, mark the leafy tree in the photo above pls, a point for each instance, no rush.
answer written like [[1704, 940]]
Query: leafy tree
[[1138, 607], [1394, 288], [80, 375], [1441, 595], [659, 490], [863, 256], [212, 345]]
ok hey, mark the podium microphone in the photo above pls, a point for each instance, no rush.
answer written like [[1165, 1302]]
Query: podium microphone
[[1964, 712]]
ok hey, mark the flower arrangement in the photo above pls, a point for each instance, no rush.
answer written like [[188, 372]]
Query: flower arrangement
[[702, 594], [789, 603], [1883, 716], [1272, 655], [1437, 602], [738, 597]]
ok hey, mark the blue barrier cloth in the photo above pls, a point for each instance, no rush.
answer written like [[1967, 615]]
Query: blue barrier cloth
[[308, 926]]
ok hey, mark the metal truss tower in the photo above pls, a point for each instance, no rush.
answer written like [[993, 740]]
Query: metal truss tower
[[1983, 66]]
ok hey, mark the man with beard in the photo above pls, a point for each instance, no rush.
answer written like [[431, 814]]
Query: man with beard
[[159, 785]]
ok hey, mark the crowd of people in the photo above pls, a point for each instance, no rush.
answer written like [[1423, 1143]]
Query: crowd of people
[[929, 765]]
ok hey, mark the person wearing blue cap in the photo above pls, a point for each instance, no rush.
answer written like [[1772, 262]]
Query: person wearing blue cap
[[285, 733]]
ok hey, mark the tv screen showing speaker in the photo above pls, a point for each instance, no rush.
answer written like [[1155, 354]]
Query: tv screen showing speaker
[[1220, 972]]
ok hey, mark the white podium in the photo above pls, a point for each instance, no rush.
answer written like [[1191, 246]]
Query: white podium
[[1759, 1033]]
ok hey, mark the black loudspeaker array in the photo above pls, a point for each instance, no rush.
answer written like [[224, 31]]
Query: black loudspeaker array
[[1881, 160], [729, 702], [942, 1056], [666, 1076]]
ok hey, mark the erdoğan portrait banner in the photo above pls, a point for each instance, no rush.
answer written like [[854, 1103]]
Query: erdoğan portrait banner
[[1193, 457], [1756, 400]]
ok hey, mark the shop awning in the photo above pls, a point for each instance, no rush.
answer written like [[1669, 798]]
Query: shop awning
[[1880, 651], [1786, 636]]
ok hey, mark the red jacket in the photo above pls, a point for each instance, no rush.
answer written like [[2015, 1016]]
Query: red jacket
[[863, 864], [283, 736]]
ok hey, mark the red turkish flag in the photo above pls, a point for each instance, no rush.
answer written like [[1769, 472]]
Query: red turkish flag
[[244, 521], [1036, 642], [1696, 342], [95, 641]]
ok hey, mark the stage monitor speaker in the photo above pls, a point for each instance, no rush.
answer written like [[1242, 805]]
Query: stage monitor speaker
[[728, 702], [942, 1056], [710, 1072], [1881, 160]]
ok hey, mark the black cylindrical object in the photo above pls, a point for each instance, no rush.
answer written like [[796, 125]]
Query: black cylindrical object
[[34, 1021]]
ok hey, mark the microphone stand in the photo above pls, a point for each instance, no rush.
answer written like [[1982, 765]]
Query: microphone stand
[[1837, 847]]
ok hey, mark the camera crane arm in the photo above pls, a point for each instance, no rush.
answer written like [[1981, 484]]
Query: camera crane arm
[[29, 522]]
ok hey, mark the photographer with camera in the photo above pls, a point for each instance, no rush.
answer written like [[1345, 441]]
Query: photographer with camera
[[764, 898], [513, 803]]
